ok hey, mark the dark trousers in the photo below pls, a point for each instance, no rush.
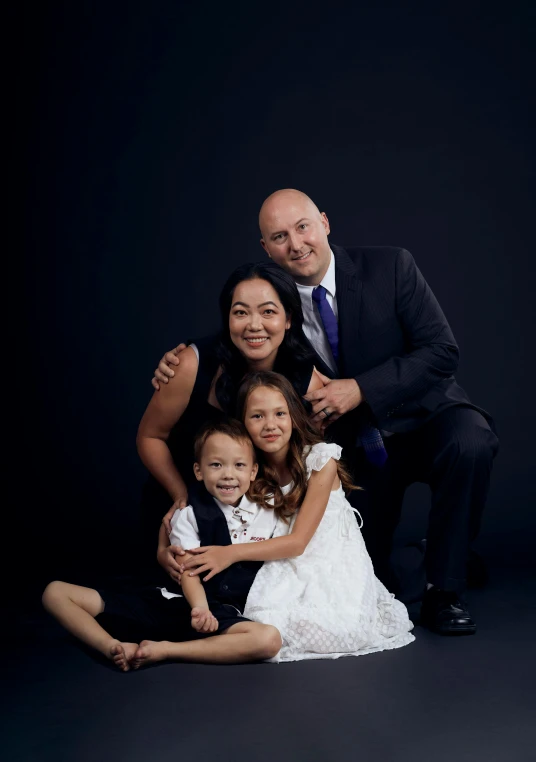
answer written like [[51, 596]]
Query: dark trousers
[[452, 453]]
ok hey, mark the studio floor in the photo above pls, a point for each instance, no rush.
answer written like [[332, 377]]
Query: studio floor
[[437, 700]]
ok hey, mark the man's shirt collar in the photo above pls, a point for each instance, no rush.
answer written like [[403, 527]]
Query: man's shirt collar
[[328, 281]]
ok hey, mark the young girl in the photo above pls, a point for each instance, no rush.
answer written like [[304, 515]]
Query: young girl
[[323, 597]]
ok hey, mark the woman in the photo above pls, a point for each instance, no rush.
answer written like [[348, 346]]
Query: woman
[[262, 330]]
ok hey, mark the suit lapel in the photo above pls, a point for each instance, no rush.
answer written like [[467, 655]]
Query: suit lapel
[[349, 287]]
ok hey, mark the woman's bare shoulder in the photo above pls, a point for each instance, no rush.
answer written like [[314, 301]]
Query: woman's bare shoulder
[[185, 375]]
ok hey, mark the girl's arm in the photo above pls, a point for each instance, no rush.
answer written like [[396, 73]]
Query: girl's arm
[[163, 411], [216, 558], [320, 484]]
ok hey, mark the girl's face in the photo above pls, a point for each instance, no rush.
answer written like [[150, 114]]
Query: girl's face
[[268, 420], [257, 322]]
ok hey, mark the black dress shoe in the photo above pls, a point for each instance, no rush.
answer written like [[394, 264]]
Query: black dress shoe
[[444, 613]]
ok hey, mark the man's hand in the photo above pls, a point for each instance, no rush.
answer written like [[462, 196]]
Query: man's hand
[[336, 398], [180, 503], [164, 371], [212, 559], [203, 620], [166, 558]]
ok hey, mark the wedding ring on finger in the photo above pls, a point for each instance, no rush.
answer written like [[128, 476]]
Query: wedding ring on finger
[[326, 413]]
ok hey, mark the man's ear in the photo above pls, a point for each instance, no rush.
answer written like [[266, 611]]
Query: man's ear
[[325, 222], [263, 244], [197, 472]]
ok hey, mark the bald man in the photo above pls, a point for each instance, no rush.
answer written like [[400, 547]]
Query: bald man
[[393, 402]]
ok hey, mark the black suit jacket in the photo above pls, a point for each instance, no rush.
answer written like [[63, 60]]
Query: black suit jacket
[[393, 339]]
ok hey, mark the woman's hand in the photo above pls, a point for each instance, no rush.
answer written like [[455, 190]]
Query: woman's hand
[[212, 559], [165, 556], [164, 371], [180, 503]]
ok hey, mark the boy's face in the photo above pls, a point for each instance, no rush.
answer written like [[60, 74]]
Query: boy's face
[[226, 467]]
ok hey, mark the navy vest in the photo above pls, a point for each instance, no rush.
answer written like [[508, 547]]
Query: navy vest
[[232, 584]]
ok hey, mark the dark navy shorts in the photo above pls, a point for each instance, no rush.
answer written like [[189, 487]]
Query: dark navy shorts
[[144, 614]]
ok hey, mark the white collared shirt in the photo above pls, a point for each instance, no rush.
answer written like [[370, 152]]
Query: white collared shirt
[[313, 327], [247, 522]]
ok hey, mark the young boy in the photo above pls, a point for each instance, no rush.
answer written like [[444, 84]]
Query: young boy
[[185, 628]]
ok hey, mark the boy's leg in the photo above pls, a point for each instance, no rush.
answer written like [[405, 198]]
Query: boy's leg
[[241, 642], [75, 608]]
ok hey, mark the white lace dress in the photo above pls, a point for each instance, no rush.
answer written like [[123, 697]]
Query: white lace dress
[[327, 602]]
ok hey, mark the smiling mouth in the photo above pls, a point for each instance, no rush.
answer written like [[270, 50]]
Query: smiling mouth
[[303, 257], [227, 489], [271, 437], [256, 342]]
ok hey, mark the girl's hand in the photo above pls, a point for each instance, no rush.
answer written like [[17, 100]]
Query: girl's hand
[[166, 558], [203, 620], [212, 559]]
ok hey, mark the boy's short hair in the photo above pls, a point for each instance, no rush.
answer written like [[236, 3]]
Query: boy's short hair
[[228, 426]]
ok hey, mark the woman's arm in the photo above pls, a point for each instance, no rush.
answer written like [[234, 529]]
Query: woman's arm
[[163, 411], [166, 554], [318, 381], [215, 558]]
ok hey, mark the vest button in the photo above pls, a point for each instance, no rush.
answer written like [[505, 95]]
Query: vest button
[[225, 587]]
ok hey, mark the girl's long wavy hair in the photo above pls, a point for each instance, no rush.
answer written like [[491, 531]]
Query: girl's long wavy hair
[[294, 355], [303, 437]]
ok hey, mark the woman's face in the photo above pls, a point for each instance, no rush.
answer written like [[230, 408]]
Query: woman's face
[[257, 322], [268, 420]]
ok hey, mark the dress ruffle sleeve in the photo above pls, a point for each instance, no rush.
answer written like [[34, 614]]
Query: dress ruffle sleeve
[[319, 454]]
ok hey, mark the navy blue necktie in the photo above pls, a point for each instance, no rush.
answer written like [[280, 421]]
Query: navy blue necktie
[[329, 321], [370, 436]]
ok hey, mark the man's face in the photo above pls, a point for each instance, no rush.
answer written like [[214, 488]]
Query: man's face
[[295, 236], [226, 467]]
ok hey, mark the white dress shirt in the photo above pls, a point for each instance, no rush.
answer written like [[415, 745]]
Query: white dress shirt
[[313, 327], [247, 522]]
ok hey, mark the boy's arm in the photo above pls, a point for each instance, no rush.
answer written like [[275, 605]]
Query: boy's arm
[[185, 533], [203, 620], [193, 590]]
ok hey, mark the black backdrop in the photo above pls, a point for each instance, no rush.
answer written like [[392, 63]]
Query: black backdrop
[[152, 134]]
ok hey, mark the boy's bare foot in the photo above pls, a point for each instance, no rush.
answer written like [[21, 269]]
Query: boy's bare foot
[[122, 654], [150, 651]]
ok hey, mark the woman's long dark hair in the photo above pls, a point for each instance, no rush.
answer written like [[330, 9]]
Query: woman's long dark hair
[[294, 356], [304, 435]]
